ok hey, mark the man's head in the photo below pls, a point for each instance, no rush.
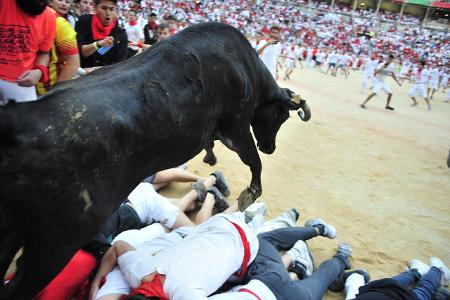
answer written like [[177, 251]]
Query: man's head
[[32, 7], [270, 115], [86, 6], [275, 32], [106, 11], [163, 31], [152, 17], [423, 63], [62, 7], [390, 58], [172, 21], [132, 17]]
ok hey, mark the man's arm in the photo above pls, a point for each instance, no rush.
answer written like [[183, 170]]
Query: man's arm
[[29, 78], [395, 79], [109, 261], [70, 68], [260, 50]]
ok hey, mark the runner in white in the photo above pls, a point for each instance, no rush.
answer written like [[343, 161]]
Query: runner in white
[[343, 63], [444, 81], [270, 50], [420, 77], [433, 85], [383, 70], [332, 63], [291, 56], [369, 66]]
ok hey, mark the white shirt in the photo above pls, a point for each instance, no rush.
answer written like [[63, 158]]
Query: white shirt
[[421, 77], [333, 58], [198, 265], [134, 33], [435, 73], [370, 65], [385, 71], [270, 56], [238, 293]]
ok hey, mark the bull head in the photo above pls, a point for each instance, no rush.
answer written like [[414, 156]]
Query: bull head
[[295, 102]]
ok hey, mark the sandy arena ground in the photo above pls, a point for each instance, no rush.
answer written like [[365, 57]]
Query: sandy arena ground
[[379, 177]]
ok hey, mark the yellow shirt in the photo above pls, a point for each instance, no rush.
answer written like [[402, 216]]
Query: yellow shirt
[[65, 44]]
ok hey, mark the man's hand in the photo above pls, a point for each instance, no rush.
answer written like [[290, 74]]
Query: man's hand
[[29, 78], [106, 42], [272, 41]]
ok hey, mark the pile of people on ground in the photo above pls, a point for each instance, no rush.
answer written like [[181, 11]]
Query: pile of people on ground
[[151, 249]]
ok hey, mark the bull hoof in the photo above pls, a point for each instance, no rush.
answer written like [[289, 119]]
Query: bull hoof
[[246, 198], [212, 161]]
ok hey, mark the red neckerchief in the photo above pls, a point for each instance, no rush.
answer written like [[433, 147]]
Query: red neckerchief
[[152, 288], [132, 23], [99, 31]]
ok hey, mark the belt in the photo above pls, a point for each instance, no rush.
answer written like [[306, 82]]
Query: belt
[[247, 252]]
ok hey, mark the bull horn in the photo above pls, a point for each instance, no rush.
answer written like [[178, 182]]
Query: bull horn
[[296, 99], [304, 112]]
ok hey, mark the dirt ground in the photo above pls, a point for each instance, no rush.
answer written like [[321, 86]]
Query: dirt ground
[[380, 177]]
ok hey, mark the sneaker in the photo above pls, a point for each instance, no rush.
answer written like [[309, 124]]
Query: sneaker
[[389, 107], [339, 284], [200, 188], [299, 269], [221, 203], [328, 231], [362, 106], [420, 266], [221, 184], [256, 209], [300, 253], [438, 263], [295, 214]]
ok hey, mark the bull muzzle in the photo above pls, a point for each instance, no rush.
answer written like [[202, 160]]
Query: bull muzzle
[[303, 109]]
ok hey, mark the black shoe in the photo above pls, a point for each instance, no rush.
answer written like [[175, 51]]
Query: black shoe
[[389, 107], [221, 203], [200, 188], [221, 184], [299, 269], [339, 284], [296, 214]]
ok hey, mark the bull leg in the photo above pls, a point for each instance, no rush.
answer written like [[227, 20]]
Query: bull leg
[[245, 147], [210, 157], [40, 262]]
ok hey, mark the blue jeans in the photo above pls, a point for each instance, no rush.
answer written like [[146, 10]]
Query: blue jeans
[[427, 285], [269, 269]]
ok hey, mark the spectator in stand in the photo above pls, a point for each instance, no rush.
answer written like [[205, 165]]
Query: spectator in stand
[[150, 30], [84, 7], [163, 31], [173, 27], [25, 57], [64, 58], [100, 39], [135, 34]]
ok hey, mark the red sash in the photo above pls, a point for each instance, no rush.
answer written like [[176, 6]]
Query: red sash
[[247, 252]]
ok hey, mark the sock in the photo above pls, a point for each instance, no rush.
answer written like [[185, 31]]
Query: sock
[[352, 285], [321, 228]]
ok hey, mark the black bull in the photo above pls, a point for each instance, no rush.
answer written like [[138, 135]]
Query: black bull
[[68, 160]]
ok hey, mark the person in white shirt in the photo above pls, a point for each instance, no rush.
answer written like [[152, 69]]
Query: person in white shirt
[[383, 70], [332, 63], [433, 85], [320, 58], [420, 77], [291, 56], [444, 81], [369, 67], [192, 268], [343, 60], [135, 34], [270, 50]]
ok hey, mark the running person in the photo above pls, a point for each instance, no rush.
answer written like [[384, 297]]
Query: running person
[[369, 66], [420, 76], [435, 75], [383, 70], [289, 63]]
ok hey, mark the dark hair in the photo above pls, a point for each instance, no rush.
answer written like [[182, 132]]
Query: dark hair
[[391, 56], [152, 15], [171, 18], [164, 25], [423, 62], [32, 7], [97, 2], [275, 27]]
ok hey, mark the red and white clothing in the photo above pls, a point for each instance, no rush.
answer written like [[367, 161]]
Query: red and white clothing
[[135, 34], [435, 75], [270, 56], [420, 77], [291, 57], [198, 265], [379, 83], [254, 290]]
